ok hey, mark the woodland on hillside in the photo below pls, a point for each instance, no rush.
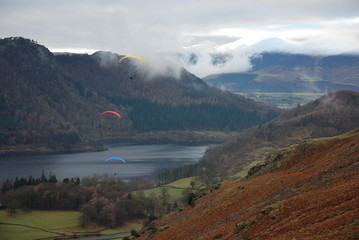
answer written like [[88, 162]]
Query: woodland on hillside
[[55, 101]]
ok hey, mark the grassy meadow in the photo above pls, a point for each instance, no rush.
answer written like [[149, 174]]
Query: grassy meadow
[[175, 189], [45, 224], [56, 223], [283, 100], [245, 170]]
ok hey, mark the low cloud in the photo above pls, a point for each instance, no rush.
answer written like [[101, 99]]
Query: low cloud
[[170, 33], [210, 59], [106, 58]]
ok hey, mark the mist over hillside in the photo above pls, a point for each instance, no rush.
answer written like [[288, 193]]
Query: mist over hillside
[[286, 80], [56, 100]]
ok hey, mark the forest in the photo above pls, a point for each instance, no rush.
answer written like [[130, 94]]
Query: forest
[[102, 199]]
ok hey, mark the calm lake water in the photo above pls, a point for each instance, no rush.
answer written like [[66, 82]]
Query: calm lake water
[[141, 161]]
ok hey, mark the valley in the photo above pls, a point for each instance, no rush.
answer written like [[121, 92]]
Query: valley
[[179, 120], [283, 160], [282, 100], [287, 80]]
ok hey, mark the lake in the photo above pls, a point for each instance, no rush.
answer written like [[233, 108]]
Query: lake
[[141, 161]]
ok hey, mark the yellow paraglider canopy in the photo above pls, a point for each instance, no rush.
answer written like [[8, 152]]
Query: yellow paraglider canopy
[[132, 57]]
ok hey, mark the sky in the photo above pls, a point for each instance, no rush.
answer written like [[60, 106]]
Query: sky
[[177, 30]]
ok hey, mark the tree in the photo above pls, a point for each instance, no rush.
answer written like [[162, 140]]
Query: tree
[[164, 197], [175, 205], [12, 206], [85, 220], [121, 213], [6, 186], [108, 215], [77, 182], [88, 214], [52, 178], [43, 177], [184, 196], [134, 233], [191, 198], [151, 204]]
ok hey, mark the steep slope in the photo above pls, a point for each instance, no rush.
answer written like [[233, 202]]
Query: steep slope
[[330, 115], [55, 100], [305, 191]]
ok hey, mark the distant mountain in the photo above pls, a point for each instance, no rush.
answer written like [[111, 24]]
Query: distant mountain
[[275, 44], [277, 72], [332, 114], [305, 191], [55, 101]]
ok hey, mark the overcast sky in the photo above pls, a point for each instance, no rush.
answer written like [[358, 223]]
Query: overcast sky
[[181, 27]]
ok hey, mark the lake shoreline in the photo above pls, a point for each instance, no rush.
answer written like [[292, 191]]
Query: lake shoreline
[[189, 138], [142, 161], [7, 151]]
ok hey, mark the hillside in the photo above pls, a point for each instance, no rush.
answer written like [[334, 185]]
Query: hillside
[[305, 191], [288, 73], [55, 101], [332, 114], [274, 73]]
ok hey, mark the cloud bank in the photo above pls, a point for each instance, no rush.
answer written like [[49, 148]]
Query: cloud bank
[[190, 33]]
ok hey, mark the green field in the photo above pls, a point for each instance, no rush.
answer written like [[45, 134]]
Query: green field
[[26, 225], [175, 189], [43, 224], [245, 170], [282, 100]]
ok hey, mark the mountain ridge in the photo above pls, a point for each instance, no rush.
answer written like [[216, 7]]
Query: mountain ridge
[[288, 73], [55, 100]]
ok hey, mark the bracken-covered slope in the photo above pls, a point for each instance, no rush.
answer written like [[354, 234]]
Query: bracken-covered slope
[[305, 191]]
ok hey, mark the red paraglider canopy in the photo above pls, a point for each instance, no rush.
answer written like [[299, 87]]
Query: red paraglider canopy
[[118, 115]]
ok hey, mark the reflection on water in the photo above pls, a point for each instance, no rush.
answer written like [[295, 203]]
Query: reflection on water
[[141, 161]]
